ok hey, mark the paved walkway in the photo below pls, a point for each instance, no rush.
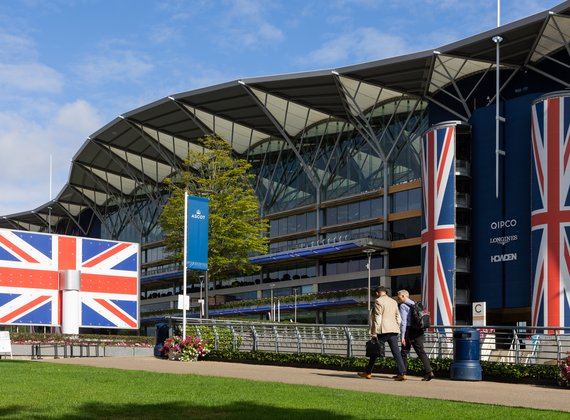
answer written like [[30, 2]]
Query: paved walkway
[[516, 395]]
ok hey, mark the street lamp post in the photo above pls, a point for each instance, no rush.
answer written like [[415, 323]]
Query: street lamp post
[[201, 300], [369, 252], [272, 285], [206, 294], [295, 293]]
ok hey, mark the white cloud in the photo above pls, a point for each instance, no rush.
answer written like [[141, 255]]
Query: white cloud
[[245, 23], [113, 66], [21, 72], [363, 44], [33, 77], [16, 48], [26, 146], [269, 32], [446, 4], [163, 34], [522, 8]]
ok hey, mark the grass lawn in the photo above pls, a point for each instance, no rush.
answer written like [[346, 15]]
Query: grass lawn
[[44, 390]]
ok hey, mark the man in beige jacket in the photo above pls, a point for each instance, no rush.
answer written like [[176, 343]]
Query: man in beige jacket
[[385, 326]]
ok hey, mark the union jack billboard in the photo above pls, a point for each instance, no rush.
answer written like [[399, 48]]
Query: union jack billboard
[[438, 222], [29, 279], [550, 216]]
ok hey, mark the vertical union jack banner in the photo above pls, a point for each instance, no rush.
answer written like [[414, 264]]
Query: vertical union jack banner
[[29, 279], [438, 223], [550, 217]]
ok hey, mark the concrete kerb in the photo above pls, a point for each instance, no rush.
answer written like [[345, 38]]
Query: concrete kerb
[[514, 395]]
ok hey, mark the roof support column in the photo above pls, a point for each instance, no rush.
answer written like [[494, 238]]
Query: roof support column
[[155, 144], [134, 173], [191, 116], [460, 97], [308, 171], [93, 206], [360, 122], [549, 76], [119, 197], [72, 218]]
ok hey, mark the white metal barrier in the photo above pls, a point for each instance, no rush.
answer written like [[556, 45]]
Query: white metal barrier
[[524, 345]]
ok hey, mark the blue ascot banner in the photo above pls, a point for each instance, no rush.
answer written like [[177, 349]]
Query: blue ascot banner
[[197, 233]]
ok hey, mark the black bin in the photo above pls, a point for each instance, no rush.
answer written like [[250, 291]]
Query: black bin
[[162, 333], [466, 355]]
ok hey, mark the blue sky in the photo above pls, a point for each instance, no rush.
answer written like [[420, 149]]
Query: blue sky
[[68, 67]]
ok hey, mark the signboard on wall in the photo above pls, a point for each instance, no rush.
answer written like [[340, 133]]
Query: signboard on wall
[[5, 343], [500, 226], [479, 313]]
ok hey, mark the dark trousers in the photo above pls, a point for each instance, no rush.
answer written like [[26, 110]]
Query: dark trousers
[[392, 339], [415, 338]]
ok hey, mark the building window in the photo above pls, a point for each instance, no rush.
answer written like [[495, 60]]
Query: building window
[[399, 201], [406, 200], [408, 228], [292, 224], [409, 282], [377, 206]]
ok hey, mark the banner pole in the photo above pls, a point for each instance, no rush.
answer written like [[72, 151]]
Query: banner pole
[[185, 273]]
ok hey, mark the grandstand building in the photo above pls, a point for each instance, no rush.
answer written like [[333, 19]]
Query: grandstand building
[[405, 163]]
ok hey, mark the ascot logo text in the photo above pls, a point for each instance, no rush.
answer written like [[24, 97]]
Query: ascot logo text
[[198, 215]]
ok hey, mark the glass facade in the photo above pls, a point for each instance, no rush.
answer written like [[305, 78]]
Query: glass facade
[[406, 200], [292, 224], [352, 212], [326, 188], [134, 222]]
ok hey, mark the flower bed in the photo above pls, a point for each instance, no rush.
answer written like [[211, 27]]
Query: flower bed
[[101, 340], [185, 350]]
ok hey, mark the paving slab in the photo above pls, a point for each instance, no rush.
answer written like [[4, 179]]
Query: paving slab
[[485, 392]]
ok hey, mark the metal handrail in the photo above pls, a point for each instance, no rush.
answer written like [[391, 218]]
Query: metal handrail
[[524, 345]]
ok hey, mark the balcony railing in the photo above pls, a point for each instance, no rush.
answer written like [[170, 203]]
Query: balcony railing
[[463, 233], [462, 168], [463, 264], [463, 200]]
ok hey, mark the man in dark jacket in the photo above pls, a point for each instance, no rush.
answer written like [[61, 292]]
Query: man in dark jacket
[[412, 336]]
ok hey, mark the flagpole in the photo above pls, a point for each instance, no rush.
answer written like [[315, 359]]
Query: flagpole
[[498, 119], [185, 269], [50, 182]]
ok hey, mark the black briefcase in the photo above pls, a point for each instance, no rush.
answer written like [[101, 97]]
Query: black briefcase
[[374, 348]]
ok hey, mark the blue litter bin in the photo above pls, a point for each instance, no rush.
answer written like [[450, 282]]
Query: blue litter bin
[[162, 331], [466, 355]]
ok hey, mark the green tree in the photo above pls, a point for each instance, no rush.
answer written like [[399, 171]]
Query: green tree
[[235, 227]]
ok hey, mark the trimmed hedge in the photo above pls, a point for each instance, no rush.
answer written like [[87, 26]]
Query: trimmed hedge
[[492, 371]]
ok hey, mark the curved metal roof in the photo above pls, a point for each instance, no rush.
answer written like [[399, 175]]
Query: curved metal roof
[[145, 145]]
